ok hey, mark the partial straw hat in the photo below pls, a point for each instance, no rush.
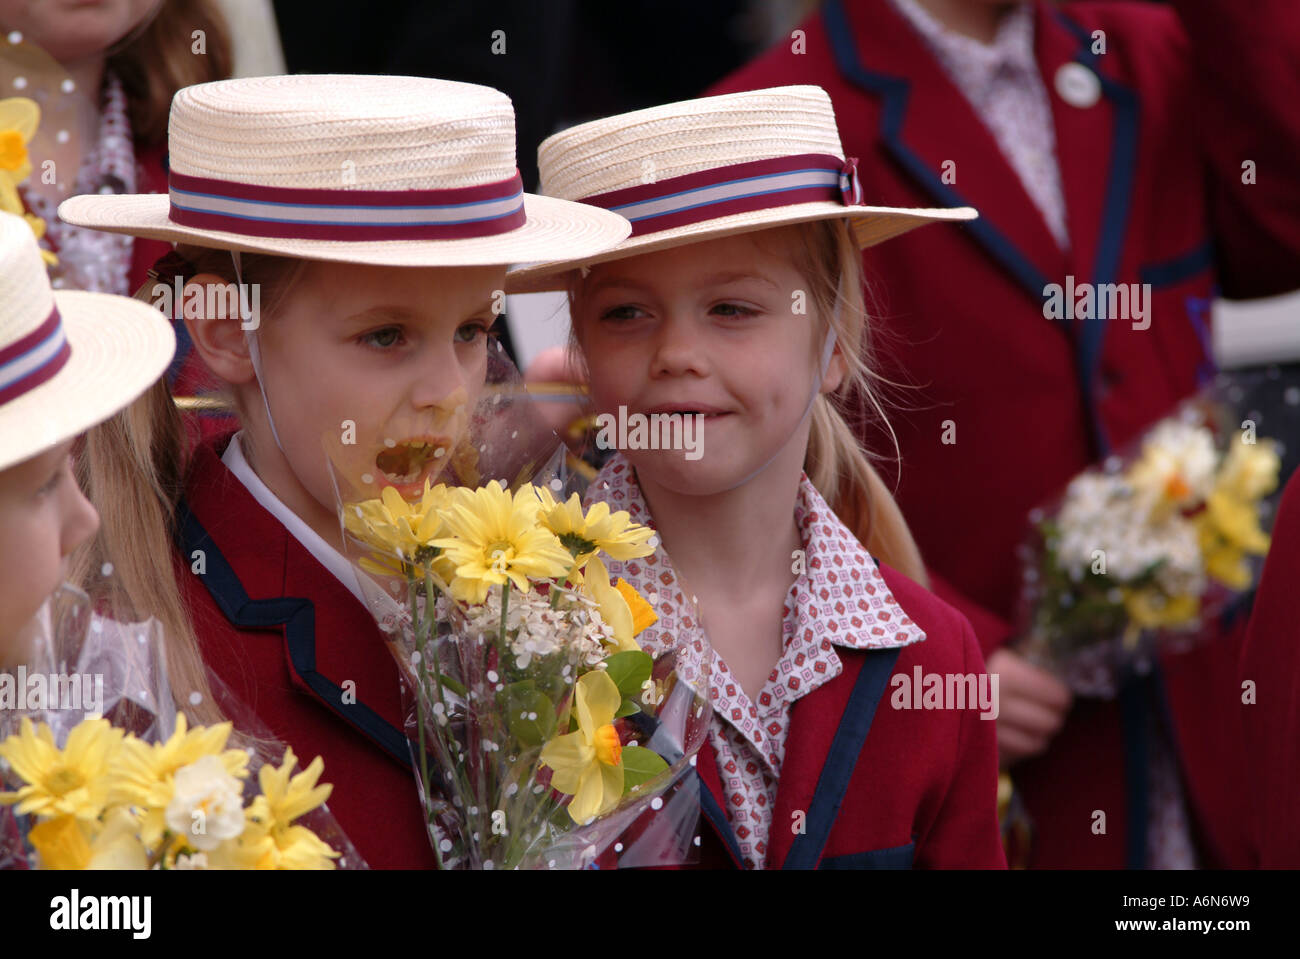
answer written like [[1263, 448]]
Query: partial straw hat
[[68, 360], [708, 168], [396, 171]]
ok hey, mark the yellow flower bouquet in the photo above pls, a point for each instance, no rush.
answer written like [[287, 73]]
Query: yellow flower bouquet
[[106, 773], [1149, 550], [540, 731]]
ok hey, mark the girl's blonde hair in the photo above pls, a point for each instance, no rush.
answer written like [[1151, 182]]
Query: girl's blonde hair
[[165, 57], [134, 469], [828, 257]]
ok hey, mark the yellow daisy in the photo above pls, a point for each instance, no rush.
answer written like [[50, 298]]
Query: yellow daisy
[[74, 781], [400, 533], [596, 530], [494, 538]]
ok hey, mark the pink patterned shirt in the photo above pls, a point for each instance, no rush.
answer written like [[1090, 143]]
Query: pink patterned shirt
[[841, 600], [1003, 83]]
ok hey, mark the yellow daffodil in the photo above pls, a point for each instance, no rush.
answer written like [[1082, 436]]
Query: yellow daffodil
[[1151, 609], [615, 606], [596, 530], [147, 771], [588, 764], [74, 781], [270, 839], [494, 538], [643, 613], [1249, 471], [398, 531], [66, 843], [19, 118], [1229, 527]]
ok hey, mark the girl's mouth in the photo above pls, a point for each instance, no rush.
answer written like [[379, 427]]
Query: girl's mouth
[[407, 462]]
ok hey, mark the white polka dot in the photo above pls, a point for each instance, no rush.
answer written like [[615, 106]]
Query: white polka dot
[[196, 697], [656, 803], [62, 136], [367, 478], [556, 485], [106, 570], [445, 845], [618, 847], [20, 83], [15, 37], [67, 86], [438, 452]]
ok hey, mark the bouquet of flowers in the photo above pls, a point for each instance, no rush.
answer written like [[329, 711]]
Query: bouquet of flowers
[[541, 732], [1146, 552], [108, 774]]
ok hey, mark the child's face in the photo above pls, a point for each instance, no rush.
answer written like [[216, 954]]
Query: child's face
[[708, 327], [375, 368], [43, 518], [72, 30]]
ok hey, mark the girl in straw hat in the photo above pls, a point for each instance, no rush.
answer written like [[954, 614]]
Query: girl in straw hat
[[850, 704], [67, 361], [356, 229]]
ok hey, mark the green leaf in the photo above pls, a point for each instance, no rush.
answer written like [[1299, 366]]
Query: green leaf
[[629, 670], [629, 708], [521, 702], [640, 765]]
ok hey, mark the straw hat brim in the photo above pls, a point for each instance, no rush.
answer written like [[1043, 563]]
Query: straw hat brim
[[120, 347], [870, 224], [554, 229]]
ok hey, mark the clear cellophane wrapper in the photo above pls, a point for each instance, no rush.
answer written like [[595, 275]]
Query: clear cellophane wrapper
[[481, 704]]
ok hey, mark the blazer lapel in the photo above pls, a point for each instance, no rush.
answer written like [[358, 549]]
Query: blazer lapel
[[827, 731], [211, 495], [925, 122], [1097, 147], [711, 803]]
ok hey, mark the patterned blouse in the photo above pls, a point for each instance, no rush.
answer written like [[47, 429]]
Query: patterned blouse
[[839, 600]]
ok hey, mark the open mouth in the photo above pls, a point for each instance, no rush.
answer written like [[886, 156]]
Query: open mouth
[[405, 463]]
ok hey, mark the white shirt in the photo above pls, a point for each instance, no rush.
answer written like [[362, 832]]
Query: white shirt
[[325, 554]]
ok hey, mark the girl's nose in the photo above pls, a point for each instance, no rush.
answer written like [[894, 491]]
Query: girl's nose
[[440, 381], [80, 519], [678, 348]]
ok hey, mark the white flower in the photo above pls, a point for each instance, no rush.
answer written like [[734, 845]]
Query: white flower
[[207, 804], [1177, 465]]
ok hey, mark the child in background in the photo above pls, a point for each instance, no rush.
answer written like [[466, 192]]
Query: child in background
[[738, 305], [372, 218], [67, 361]]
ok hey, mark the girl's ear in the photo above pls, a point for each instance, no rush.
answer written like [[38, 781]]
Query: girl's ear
[[216, 328], [836, 370]]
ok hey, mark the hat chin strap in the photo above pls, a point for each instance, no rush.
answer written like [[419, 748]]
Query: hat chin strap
[[255, 355], [828, 350]]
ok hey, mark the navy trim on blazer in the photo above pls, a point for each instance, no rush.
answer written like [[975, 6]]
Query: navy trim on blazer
[[806, 850], [298, 617], [1180, 267], [896, 857], [715, 814], [895, 91], [1135, 708], [1115, 210]]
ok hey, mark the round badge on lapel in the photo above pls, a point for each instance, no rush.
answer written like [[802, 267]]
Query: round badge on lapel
[[1077, 85]]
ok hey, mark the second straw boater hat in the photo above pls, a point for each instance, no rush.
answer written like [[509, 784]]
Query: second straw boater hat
[[708, 168], [397, 171], [68, 360]]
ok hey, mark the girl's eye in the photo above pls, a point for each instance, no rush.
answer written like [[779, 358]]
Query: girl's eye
[[621, 313], [384, 339], [470, 332], [732, 310], [51, 484]]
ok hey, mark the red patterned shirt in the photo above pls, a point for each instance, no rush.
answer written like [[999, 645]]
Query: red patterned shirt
[[839, 600]]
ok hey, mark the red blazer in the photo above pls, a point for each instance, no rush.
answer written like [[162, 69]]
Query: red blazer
[[285, 635], [878, 787], [1271, 660], [1151, 173]]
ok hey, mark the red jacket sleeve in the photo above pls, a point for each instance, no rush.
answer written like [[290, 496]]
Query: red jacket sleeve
[[965, 833], [1244, 87]]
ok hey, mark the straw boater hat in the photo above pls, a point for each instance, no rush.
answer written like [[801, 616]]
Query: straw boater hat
[[708, 168], [397, 171], [68, 360]]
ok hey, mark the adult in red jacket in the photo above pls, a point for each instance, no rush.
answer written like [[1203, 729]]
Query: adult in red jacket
[[1270, 663], [1175, 146]]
